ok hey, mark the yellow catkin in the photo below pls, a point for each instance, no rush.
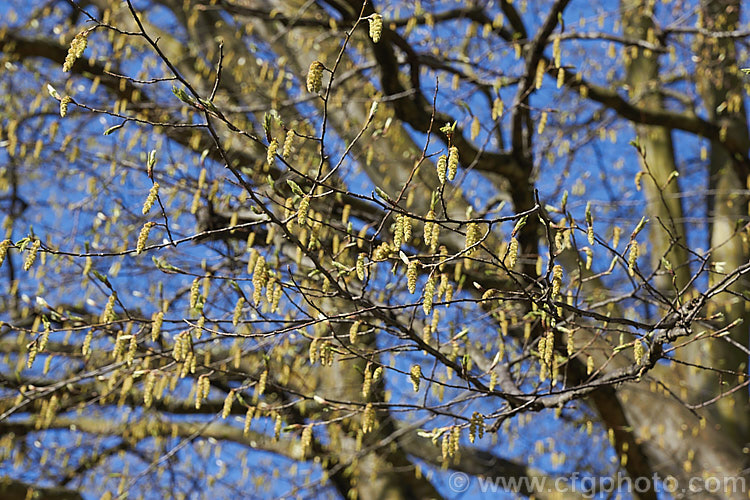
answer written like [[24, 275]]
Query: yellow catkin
[[415, 374], [202, 178], [119, 349], [429, 292], [306, 439], [539, 77], [150, 199], [475, 128], [64, 103], [109, 309], [33, 351], [367, 382], [376, 27], [368, 419], [143, 237], [448, 294], [148, 389], [273, 147], [632, 257], [476, 426], [560, 77], [31, 254], [313, 352], [354, 331], [262, 380], [589, 257], [4, 246], [406, 223], [227, 409], [196, 203], [570, 345], [252, 261], [48, 413], [325, 354], [176, 349], [75, 51], [638, 352], [556, 280], [455, 439], [638, 178], [442, 168], [156, 322], [616, 232], [542, 122], [398, 232], [444, 284], [361, 266], [86, 348], [277, 292], [237, 315], [497, 108], [493, 381], [260, 278], [512, 253], [411, 275], [435, 237], [304, 209], [542, 348], [195, 293], [206, 285], [556, 51], [473, 235], [132, 348], [428, 227], [199, 392], [381, 252], [315, 77], [452, 163], [272, 282], [286, 151]]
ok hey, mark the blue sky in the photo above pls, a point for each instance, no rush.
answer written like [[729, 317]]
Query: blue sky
[[606, 168]]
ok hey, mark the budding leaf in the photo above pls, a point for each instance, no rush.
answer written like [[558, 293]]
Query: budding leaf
[[521, 222], [53, 92], [638, 228], [112, 129], [295, 188], [101, 277]]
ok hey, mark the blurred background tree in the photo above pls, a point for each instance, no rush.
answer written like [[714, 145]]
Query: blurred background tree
[[373, 250]]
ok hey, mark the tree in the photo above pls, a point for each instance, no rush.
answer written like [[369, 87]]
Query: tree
[[374, 245]]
